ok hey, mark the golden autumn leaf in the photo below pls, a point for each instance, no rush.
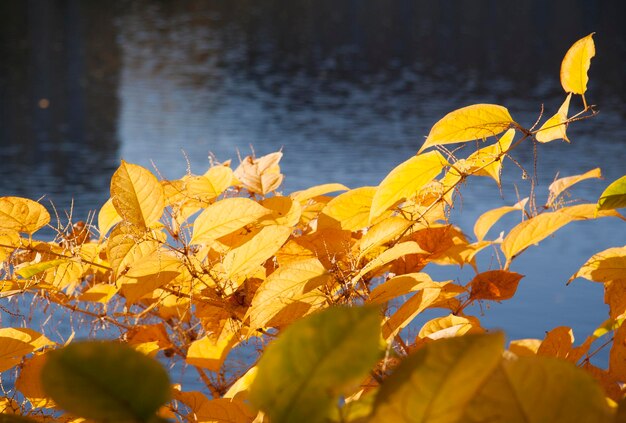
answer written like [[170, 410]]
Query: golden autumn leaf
[[409, 310], [16, 343], [605, 266], [617, 363], [225, 217], [214, 410], [525, 347], [209, 352], [107, 218], [496, 285], [401, 285], [382, 232], [387, 256], [576, 64], [307, 194], [350, 209], [557, 187], [260, 175], [137, 195], [285, 286], [285, 211], [247, 257], [22, 215], [489, 218], [240, 388], [488, 160], [449, 326], [149, 273], [557, 343], [406, 180], [555, 128], [99, 293], [615, 298], [126, 245], [469, 123], [220, 178], [29, 382]]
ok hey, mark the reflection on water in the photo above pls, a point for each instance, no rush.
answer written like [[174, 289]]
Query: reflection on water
[[347, 89]]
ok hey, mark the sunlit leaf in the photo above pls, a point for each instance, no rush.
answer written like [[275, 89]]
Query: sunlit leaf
[[437, 382], [210, 352], [560, 185], [383, 232], [605, 266], [387, 256], [284, 286], [302, 373], [576, 64], [614, 196], [16, 343], [260, 175], [469, 123], [216, 410], [149, 273], [401, 285], [406, 180], [488, 160], [410, 309], [524, 347], [351, 209], [29, 382], [99, 293], [555, 128], [240, 388], [557, 343], [224, 217], [22, 215], [489, 218], [137, 195], [284, 211], [494, 285], [126, 245], [449, 326], [105, 381], [107, 218], [615, 298], [307, 194], [31, 270]]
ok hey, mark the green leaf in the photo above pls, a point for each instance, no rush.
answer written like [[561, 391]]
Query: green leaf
[[539, 389], [303, 372], [614, 196], [105, 381], [32, 269], [436, 383]]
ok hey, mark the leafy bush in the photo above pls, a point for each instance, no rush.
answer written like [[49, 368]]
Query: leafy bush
[[204, 271]]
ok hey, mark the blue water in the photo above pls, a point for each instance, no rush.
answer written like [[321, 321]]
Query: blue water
[[347, 90]]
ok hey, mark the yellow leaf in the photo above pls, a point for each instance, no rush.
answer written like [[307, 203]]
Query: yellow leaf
[[22, 215], [127, 245], [239, 389], [137, 195], [525, 347], [387, 256], [307, 194], [449, 326], [555, 128], [489, 218], [405, 181], [99, 293], [225, 217], [557, 343], [107, 218], [284, 211], [560, 185], [605, 266], [409, 310], [401, 285], [494, 285], [382, 233], [9, 406], [220, 178], [29, 382], [260, 175], [219, 410], [144, 334], [210, 353], [9, 238], [351, 209], [283, 287], [469, 123], [244, 259], [149, 273], [66, 275], [488, 160], [576, 64], [16, 343]]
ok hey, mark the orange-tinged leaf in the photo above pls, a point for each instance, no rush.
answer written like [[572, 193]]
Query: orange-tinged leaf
[[449, 326], [489, 218], [617, 363], [494, 285], [555, 128], [29, 382], [239, 389], [22, 215], [615, 298], [557, 343], [148, 333], [10, 238], [283, 287], [387, 256], [244, 259], [382, 232], [576, 64], [99, 293], [469, 123], [216, 410], [405, 181], [307, 194], [107, 218], [284, 211], [525, 347], [225, 217], [127, 245], [605, 266], [149, 273], [210, 353], [409, 310], [560, 185], [260, 175], [137, 195], [401, 285], [351, 209], [16, 343]]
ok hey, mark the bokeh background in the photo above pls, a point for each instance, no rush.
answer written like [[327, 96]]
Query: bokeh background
[[347, 89]]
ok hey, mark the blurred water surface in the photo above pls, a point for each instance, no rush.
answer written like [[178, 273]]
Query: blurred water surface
[[347, 89]]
